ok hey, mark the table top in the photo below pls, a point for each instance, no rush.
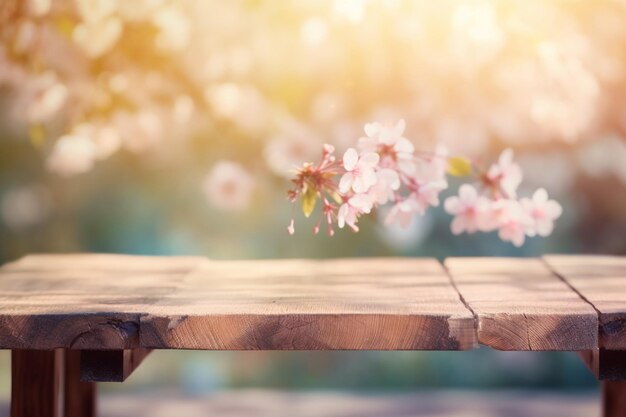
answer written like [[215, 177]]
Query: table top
[[91, 301]]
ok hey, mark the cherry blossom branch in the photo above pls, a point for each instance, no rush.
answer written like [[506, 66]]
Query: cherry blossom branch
[[386, 169]]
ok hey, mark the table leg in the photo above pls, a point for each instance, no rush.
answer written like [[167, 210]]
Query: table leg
[[614, 398], [36, 382], [80, 397]]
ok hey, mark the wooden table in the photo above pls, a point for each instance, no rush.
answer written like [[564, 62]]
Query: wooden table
[[73, 320]]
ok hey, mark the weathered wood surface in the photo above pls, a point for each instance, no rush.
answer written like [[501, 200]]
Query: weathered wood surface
[[110, 365], [113, 302], [82, 301], [521, 305], [601, 280], [36, 378], [307, 305]]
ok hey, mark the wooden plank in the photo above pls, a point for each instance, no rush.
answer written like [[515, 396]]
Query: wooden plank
[[82, 301], [606, 365], [521, 305], [80, 396], [36, 378], [614, 398], [379, 304], [110, 365], [601, 280]]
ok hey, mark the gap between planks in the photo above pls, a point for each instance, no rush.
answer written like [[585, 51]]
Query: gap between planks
[[465, 303], [573, 288], [601, 281], [520, 304]]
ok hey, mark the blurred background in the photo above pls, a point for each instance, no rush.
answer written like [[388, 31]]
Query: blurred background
[[172, 127]]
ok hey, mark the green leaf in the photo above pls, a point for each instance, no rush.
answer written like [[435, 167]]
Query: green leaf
[[337, 198], [459, 166], [309, 199]]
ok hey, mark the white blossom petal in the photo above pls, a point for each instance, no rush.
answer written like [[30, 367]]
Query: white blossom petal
[[452, 205], [405, 147], [369, 160], [350, 159], [346, 181], [468, 193], [371, 129]]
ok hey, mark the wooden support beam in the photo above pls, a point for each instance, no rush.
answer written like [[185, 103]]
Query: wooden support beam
[[36, 379], [110, 365], [606, 365], [80, 396], [614, 398]]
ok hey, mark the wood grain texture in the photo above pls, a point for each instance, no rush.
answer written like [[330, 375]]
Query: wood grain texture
[[110, 365], [521, 305], [601, 280], [36, 378], [82, 301], [378, 304], [79, 396]]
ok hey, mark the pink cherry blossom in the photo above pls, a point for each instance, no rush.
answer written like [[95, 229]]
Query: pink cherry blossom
[[542, 212], [506, 175], [402, 212], [394, 149], [378, 133], [388, 181], [426, 194], [423, 196], [350, 211], [294, 144], [360, 175], [432, 167], [514, 222], [470, 210], [229, 186], [376, 177]]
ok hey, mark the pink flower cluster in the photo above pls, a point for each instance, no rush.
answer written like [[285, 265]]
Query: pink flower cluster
[[493, 205], [385, 168]]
